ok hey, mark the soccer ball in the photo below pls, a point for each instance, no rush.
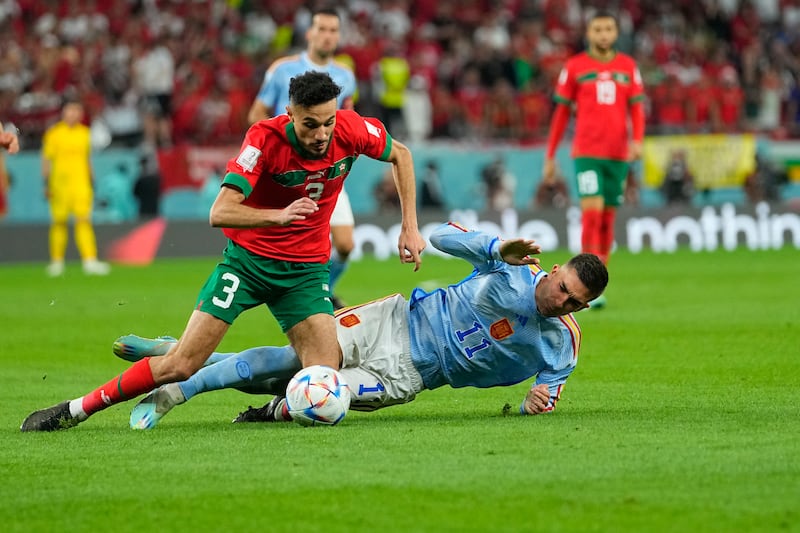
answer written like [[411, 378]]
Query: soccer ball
[[317, 395]]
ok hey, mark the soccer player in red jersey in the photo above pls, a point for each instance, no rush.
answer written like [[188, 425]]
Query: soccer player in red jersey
[[275, 206], [604, 86]]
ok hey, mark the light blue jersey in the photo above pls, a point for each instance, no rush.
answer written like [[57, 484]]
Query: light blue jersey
[[485, 331], [274, 92]]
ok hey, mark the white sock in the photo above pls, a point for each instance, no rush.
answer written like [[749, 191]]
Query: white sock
[[76, 409], [175, 393]]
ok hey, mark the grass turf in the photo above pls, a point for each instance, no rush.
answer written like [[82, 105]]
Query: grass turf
[[681, 416]]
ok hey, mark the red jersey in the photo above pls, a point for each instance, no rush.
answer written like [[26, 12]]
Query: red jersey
[[272, 172], [602, 93]]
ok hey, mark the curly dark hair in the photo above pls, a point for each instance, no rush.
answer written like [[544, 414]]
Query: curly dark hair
[[591, 271], [312, 88]]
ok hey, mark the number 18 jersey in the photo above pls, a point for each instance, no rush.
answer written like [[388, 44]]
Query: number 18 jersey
[[602, 92]]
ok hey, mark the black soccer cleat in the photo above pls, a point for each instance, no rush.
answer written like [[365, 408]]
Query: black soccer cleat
[[260, 414], [50, 419]]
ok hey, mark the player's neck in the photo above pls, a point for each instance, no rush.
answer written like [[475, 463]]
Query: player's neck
[[602, 55], [318, 59]]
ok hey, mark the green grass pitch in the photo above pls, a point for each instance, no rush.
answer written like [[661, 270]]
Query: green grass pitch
[[683, 415]]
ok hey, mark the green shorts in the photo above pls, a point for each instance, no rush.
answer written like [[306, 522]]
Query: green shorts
[[601, 177], [292, 291]]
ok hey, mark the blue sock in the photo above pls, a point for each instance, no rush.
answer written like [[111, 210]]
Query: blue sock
[[247, 368], [338, 266]]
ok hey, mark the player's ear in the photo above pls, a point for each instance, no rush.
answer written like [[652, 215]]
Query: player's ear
[[554, 269]]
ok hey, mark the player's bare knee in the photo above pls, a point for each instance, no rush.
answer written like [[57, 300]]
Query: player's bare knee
[[178, 367]]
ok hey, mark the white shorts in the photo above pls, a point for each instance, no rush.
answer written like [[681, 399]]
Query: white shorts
[[342, 212], [377, 354]]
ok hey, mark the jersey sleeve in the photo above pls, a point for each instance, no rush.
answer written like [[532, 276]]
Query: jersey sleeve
[[369, 135], [47, 145], [555, 384], [637, 86], [269, 93], [566, 86], [349, 86], [244, 170], [480, 249]]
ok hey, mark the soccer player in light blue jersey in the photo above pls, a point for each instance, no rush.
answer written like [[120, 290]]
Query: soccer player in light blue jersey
[[508, 321], [322, 39]]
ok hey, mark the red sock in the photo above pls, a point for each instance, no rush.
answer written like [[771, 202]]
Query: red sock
[[590, 231], [607, 233], [137, 380]]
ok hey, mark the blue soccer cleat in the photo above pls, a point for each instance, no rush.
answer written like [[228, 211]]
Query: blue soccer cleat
[[153, 407], [135, 348]]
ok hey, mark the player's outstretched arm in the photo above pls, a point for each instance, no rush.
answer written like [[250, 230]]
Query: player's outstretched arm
[[411, 243]]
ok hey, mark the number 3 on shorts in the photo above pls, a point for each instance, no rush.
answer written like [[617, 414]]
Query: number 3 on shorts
[[229, 290], [588, 183]]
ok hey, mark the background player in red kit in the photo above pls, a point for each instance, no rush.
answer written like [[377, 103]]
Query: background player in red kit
[[9, 142], [604, 86], [275, 204]]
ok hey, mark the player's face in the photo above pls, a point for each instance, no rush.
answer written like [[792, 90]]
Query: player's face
[[314, 126], [561, 292], [72, 113], [602, 33], [323, 35]]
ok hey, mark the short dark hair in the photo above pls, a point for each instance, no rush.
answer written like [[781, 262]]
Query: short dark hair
[[603, 14], [312, 88], [591, 271], [326, 10]]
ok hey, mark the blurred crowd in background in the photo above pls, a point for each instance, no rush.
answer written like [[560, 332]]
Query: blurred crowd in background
[[479, 70]]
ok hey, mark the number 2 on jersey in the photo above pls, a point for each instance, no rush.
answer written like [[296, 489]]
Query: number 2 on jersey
[[314, 190]]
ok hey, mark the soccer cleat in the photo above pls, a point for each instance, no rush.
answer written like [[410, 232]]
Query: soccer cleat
[[153, 407], [50, 419], [598, 303], [135, 348], [261, 414], [93, 267], [55, 269]]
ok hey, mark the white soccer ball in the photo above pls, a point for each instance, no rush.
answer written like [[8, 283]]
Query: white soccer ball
[[317, 395]]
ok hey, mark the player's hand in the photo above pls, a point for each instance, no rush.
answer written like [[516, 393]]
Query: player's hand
[[9, 141], [537, 399], [634, 151], [548, 170], [297, 210], [410, 245], [519, 251]]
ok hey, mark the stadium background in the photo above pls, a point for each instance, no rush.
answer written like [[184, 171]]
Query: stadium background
[[463, 58], [682, 416]]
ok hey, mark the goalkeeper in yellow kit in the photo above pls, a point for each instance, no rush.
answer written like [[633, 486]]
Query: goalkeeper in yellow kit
[[67, 173]]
